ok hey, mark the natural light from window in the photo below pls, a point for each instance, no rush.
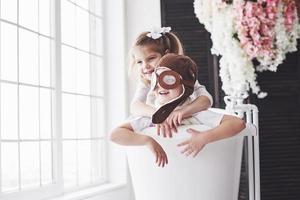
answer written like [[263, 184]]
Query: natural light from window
[[40, 87]]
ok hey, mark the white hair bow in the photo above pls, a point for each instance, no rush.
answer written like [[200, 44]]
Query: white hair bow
[[157, 32]]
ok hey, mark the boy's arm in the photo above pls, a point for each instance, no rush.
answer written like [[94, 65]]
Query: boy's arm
[[124, 135], [229, 126]]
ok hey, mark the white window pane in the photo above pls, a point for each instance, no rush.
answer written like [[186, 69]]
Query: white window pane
[[45, 113], [84, 162], [45, 61], [69, 163], [99, 36], [9, 10], [83, 73], [46, 162], [82, 29], [83, 117], [68, 22], [9, 166], [97, 113], [44, 14], [29, 112], [28, 14], [97, 159], [28, 66], [9, 111], [97, 76], [8, 52], [68, 69], [69, 115], [29, 162], [100, 118], [83, 3], [93, 34], [98, 6]]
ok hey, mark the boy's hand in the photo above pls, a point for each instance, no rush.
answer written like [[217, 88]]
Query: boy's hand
[[160, 155], [165, 129], [195, 144]]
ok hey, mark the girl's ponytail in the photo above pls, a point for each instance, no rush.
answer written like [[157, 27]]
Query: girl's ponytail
[[175, 46]]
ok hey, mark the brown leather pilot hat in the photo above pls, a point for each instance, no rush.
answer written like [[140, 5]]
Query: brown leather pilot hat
[[187, 69]]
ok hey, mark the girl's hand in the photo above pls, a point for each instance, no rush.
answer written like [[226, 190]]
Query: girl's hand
[[160, 155], [169, 126], [165, 129], [176, 117], [195, 144]]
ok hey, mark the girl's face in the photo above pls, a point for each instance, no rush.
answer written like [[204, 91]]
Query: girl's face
[[146, 60]]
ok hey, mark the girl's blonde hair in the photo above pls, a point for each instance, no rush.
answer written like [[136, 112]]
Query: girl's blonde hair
[[167, 43]]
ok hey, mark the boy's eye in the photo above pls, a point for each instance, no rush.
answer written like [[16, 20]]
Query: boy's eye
[[139, 62]]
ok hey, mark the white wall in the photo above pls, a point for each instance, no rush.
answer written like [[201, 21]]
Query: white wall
[[141, 15], [122, 29]]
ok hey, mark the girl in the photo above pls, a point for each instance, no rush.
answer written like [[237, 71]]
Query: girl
[[148, 48]]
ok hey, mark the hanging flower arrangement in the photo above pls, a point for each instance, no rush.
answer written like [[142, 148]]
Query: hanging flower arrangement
[[247, 32]]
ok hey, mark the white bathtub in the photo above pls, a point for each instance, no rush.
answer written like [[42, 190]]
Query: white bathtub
[[212, 175]]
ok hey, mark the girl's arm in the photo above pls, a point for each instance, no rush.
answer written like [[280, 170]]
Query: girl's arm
[[140, 108], [199, 104], [138, 104], [201, 100], [229, 126]]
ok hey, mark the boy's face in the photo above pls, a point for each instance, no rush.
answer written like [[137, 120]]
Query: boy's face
[[146, 59], [164, 95]]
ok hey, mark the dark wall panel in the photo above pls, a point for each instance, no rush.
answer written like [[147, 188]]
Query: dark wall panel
[[279, 111]]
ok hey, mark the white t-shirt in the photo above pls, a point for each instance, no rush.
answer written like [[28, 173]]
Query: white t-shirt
[[143, 93], [206, 117]]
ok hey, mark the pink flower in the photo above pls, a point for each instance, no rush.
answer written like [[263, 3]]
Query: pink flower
[[255, 24], [289, 14]]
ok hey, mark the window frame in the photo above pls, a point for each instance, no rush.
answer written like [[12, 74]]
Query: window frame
[[116, 178]]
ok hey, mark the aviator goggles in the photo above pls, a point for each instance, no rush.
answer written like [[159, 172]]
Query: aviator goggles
[[166, 78]]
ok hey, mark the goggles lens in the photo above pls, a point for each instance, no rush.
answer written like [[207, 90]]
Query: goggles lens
[[166, 78]]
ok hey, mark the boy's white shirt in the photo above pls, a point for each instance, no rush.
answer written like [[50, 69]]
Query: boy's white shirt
[[206, 117]]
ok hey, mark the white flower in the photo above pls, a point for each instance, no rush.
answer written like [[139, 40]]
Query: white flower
[[236, 68], [156, 33]]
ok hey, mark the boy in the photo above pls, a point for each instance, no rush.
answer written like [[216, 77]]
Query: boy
[[172, 83]]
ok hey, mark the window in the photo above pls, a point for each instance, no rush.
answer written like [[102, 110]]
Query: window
[[51, 95]]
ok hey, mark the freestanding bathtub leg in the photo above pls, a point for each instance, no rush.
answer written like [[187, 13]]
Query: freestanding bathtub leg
[[250, 112], [256, 156], [250, 167]]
